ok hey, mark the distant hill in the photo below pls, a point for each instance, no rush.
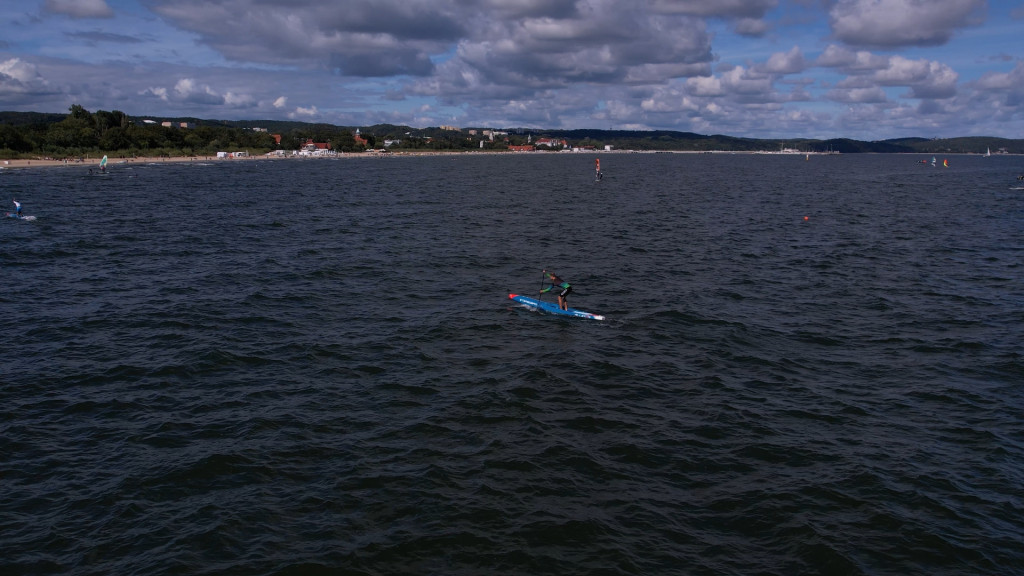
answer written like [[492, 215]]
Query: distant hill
[[645, 140], [30, 118], [964, 145]]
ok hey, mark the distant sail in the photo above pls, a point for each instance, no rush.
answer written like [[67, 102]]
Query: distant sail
[[945, 163]]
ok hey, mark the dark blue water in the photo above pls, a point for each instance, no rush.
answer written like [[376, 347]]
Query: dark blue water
[[312, 367]]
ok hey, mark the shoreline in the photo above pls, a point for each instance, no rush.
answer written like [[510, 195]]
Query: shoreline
[[22, 163], [111, 162]]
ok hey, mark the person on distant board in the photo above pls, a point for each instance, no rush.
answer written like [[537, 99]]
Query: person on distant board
[[557, 282], [17, 207]]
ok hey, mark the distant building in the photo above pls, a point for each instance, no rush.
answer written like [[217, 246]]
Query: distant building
[[552, 143], [523, 148], [311, 148]]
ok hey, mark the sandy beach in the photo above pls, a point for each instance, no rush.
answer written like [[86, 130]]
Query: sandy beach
[[111, 162], [115, 162]]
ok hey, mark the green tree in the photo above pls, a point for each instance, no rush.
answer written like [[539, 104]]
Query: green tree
[[115, 138], [79, 113], [12, 139]]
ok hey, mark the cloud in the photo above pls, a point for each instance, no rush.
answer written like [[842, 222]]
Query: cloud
[[14, 70], [79, 8], [239, 100], [307, 112], [791, 62], [156, 91], [675, 64], [719, 9], [924, 78], [870, 94], [750, 27], [602, 46], [98, 36], [187, 91], [19, 79], [851, 61], [1013, 80], [1005, 89], [367, 39], [897, 23]]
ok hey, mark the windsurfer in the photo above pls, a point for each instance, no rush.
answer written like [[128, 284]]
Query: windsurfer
[[557, 282]]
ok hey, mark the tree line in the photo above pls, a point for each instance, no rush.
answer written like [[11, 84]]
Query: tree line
[[83, 133]]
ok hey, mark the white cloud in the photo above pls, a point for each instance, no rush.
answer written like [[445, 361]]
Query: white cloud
[[705, 86], [156, 91], [892, 23], [187, 90], [674, 64], [1012, 81], [239, 100], [719, 9], [15, 70], [849, 60], [79, 8], [925, 79], [871, 94], [791, 62], [19, 79]]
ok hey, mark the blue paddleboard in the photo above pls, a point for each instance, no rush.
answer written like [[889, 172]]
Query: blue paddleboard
[[553, 308]]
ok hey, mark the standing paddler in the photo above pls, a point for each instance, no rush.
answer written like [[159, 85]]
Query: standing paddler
[[557, 282]]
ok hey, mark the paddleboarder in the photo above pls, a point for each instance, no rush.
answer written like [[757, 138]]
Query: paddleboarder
[[557, 282], [17, 207]]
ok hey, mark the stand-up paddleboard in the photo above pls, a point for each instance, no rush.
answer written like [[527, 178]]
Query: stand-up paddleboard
[[16, 217], [552, 307]]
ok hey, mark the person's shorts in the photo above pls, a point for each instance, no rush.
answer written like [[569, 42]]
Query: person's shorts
[[566, 292]]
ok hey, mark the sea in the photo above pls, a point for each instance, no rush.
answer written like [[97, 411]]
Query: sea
[[809, 365]]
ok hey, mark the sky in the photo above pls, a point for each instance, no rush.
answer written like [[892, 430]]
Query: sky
[[863, 69]]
